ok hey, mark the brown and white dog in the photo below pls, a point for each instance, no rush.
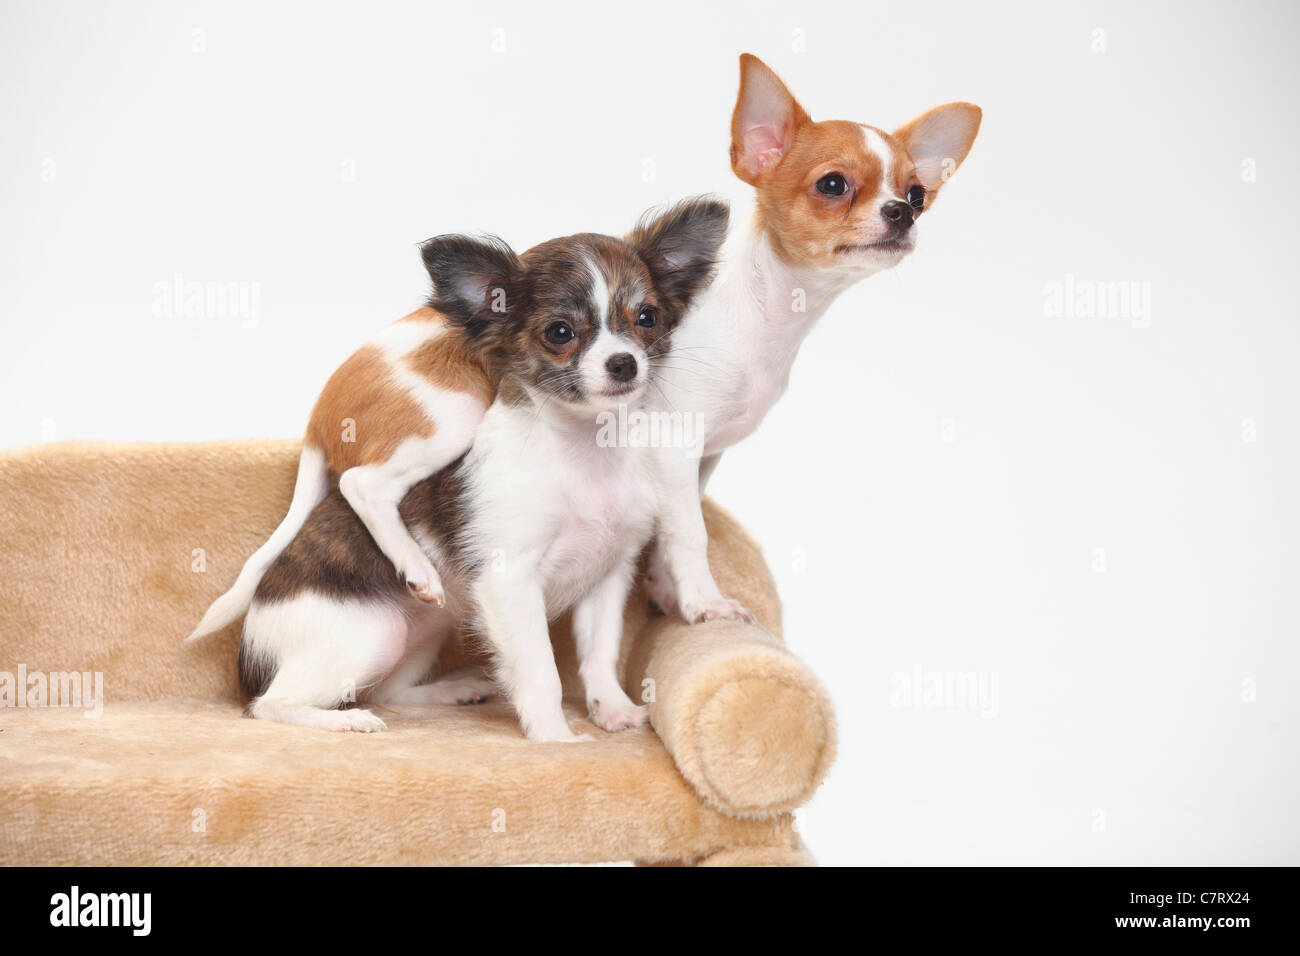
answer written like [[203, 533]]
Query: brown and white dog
[[402, 407], [411, 401], [539, 516], [836, 202]]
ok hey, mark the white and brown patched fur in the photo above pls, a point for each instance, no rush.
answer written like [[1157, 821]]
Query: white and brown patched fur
[[402, 407], [538, 517], [836, 202]]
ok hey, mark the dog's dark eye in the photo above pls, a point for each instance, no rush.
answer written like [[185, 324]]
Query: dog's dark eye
[[832, 184], [559, 333], [916, 197], [647, 318]]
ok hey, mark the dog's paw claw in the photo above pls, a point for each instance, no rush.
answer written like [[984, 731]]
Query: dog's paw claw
[[360, 721], [429, 593], [660, 595], [616, 717], [561, 734], [720, 609]]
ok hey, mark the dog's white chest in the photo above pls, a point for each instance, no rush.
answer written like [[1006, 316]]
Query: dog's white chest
[[733, 388], [558, 509], [606, 511], [757, 390]]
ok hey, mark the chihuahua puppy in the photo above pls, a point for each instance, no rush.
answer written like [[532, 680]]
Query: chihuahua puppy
[[539, 516], [836, 202], [402, 407]]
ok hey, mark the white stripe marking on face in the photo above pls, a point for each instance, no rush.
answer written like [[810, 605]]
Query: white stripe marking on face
[[875, 143], [599, 294]]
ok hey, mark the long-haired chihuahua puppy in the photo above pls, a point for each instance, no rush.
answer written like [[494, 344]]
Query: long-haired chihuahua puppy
[[538, 517], [402, 407]]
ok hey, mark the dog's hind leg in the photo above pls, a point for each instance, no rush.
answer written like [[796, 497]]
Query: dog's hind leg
[[304, 715], [407, 687], [321, 653], [375, 490]]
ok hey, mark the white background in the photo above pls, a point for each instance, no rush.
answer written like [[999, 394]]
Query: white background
[[956, 482]]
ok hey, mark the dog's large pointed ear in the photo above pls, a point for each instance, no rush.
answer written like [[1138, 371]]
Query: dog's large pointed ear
[[939, 140], [680, 247], [764, 121], [475, 282]]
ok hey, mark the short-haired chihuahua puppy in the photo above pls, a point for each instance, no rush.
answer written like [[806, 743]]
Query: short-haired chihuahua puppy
[[538, 517], [836, 202]]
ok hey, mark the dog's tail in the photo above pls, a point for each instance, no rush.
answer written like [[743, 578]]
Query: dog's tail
[[308, 491]]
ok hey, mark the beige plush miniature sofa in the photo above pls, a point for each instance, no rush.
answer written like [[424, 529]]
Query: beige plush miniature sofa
[[109, 553]]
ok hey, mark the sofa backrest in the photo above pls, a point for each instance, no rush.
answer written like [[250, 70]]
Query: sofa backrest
[[109, 553]]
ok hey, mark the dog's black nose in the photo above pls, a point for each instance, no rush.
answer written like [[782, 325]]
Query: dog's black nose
[[621, 367], [898, 213]]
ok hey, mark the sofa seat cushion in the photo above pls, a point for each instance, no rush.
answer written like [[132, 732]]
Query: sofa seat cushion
[[194, 782]]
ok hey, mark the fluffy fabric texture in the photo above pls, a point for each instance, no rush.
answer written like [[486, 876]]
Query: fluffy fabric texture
[[112, 552]]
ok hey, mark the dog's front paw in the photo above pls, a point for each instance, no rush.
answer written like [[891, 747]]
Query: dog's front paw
[[612, 716], [424, 583], [558, 736], [659, 589], [361, 721], [716, 609], [466, 687]]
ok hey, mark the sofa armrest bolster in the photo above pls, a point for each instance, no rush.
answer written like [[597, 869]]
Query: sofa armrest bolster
[[748, 724]]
